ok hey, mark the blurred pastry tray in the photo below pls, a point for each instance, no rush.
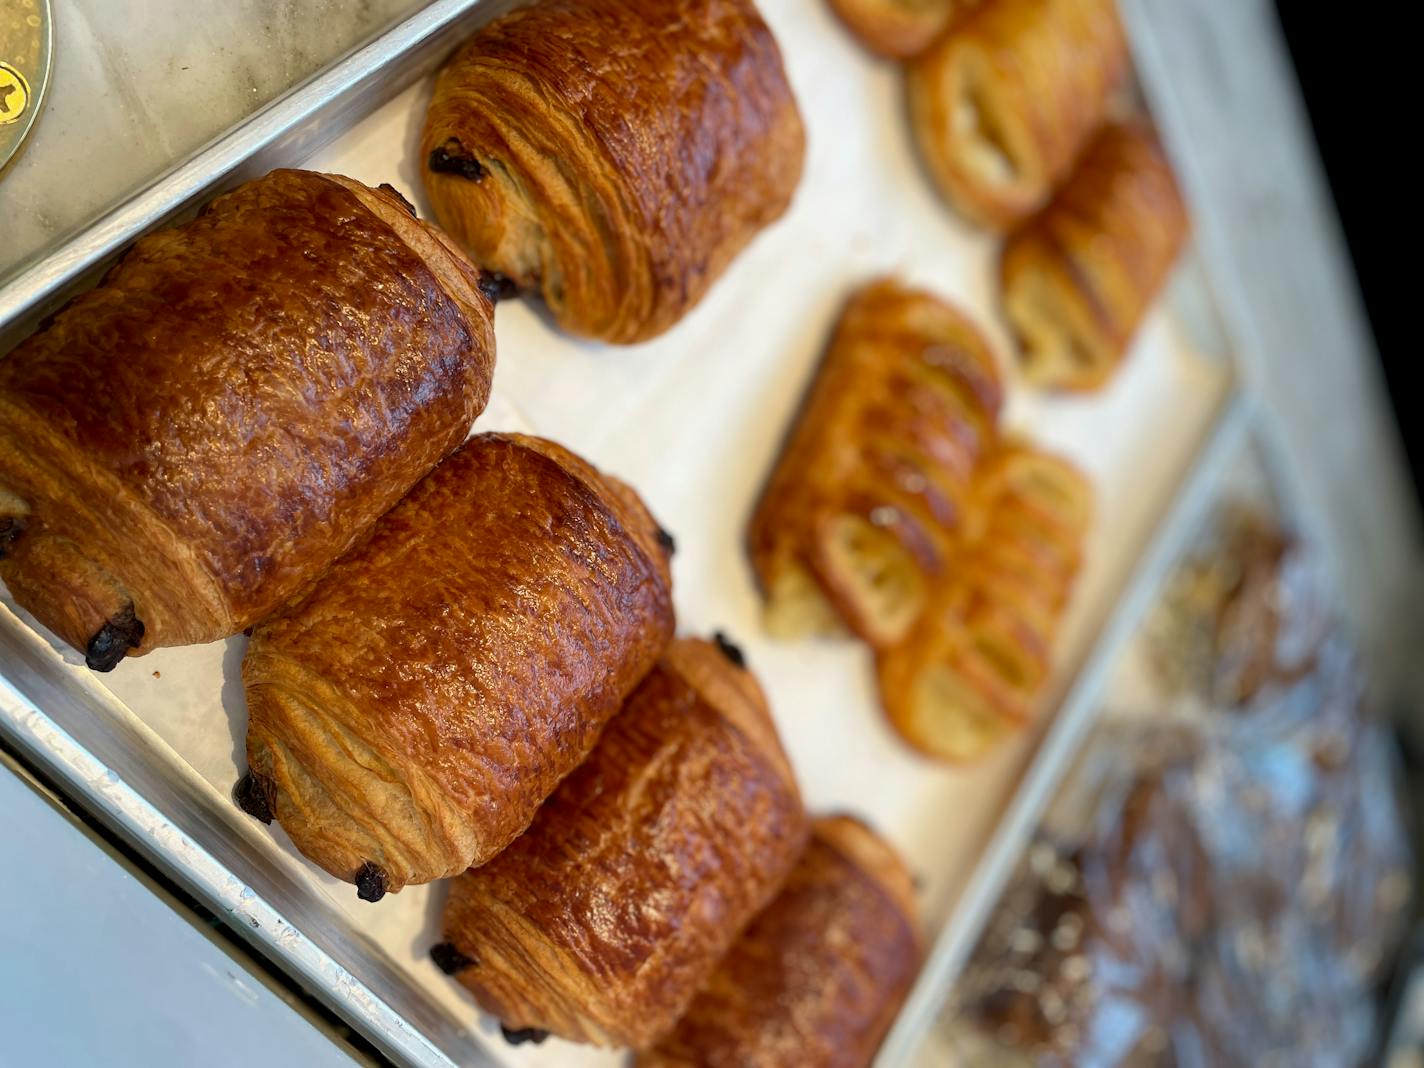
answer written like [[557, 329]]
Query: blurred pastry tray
[[692, 419], [1144, 716]]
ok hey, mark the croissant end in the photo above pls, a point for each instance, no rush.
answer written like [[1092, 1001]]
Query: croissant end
[[69, 592], [120, 633]]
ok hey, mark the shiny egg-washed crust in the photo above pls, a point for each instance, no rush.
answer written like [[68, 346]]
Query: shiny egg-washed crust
[[1079, 276], [614, 155], [968, 672], [192, 443], [876, 467], [1002, 106], [602, 921], [411, 714], [897, 29], [818, 977]]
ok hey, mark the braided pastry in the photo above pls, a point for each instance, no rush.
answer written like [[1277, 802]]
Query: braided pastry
[[1002, 105], [862, 508], [897, 29], [1078, 277], [968, 672]]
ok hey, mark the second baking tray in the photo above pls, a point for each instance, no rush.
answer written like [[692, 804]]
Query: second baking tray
[[693, 420]]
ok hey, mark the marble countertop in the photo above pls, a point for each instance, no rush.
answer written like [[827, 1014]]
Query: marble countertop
[[138, 87]]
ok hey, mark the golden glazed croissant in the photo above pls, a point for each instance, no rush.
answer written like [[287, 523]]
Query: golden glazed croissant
[[193, 442], [409, 716], [614, 155], [967, 673], [818, 977], [1078, 277], [863, 505], [898, 29], [1002, 106], [600, 923]]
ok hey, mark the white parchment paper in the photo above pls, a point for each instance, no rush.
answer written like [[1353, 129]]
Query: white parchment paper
[[693, 420]]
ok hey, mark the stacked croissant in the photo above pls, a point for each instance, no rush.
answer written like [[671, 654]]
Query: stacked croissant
[[1012, 106], [462, 660]]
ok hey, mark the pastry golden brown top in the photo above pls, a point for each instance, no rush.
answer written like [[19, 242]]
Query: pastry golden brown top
[[902, 407], [614, 155], [969, 670], [1002, 105], [236, 402], [819, 976], [1079, 276], [414, 711], [602, 920], [897, 29]]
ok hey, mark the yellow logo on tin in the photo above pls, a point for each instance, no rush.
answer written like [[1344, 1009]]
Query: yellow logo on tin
[[14, 94]]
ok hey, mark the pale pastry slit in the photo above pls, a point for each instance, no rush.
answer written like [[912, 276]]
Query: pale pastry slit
[[950, 716], [978, 130], [876, 573], [1053, 351]]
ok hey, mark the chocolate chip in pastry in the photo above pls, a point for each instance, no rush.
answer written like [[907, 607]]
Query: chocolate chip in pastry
[[188, 446], [614, 155], [601, 922], [410, 715]]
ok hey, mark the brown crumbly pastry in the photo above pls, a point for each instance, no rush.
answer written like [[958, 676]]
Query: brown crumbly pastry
[[192, 443], [818, 977], [614, 155], [1079, 276], [407, 718], [862, 508], [1243, 617], [602, 921], [968, 672], [1104, 932], [898, 29], [1002, 105]]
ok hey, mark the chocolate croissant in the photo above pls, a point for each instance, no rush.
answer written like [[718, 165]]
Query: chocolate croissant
[[1002, 106], [614, 155], [967, 674], [192, 443], [601, 922], [1078, 277], [898, 29], [818, 977], [407, 719], [864, 504]]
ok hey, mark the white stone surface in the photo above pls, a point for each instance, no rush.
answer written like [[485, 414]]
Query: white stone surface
[[140, 84]]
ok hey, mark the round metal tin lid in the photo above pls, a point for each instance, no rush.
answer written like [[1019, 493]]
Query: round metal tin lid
[[26, 55]]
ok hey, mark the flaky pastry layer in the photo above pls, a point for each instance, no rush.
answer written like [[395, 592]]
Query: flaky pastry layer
[[408, 717]]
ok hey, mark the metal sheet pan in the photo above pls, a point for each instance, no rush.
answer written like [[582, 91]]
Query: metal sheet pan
[[1247, 465], [693, 419]]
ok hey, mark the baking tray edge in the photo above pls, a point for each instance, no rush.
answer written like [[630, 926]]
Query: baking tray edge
[[1074, 715], [297, 123], [170, 846]]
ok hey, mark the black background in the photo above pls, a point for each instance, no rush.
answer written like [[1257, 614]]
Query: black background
[[1352, 67]]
